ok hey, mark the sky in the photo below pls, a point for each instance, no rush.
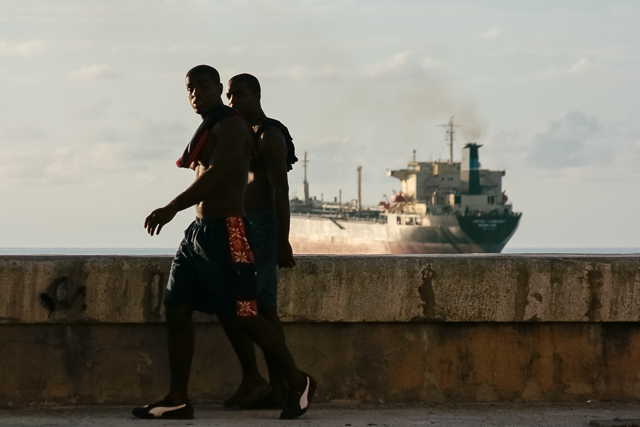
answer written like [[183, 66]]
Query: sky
[[94, 111]]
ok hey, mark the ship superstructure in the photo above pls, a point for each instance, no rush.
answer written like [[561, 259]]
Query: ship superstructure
[[443, 207]]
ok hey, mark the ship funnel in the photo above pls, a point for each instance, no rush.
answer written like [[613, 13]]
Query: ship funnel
[[470, 169]]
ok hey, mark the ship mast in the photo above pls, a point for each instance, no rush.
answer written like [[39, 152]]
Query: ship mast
[[450, 135], [305, 184], [359, 188]]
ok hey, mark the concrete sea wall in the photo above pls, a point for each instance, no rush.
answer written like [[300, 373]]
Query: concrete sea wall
[[370, 328]]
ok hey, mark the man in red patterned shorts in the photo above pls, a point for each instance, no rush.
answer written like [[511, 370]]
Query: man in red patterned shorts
[[266, 202], [213, 270]]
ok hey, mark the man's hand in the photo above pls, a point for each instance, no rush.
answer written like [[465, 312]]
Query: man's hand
[[285, 255], [158, 218]]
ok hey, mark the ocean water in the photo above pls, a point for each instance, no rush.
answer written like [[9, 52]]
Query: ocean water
[[88, 251], [172, 251]]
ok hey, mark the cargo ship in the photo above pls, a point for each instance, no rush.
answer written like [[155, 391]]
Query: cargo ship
[[444, 207]]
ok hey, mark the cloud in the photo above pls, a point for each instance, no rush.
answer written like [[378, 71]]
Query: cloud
[[23, 133], [576, 144], [96, 110], [336, 150], [295, 72], [95, 72], [402, 65], [419, 92], [490, 34], [625, 10], [552, 152], [146, 177], [103, 154], [575, 140], [75, 164], [163, 133], [428, 63], [24, 49], [301, 72], [580, 67]]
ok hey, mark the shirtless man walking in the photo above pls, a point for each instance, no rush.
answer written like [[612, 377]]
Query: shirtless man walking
[[267, 206], [213, 270]]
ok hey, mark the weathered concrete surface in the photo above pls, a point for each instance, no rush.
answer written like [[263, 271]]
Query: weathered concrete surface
[[83, 289], [616, 422], [353, 362], [86, 330], [434, 288], [441, 415]]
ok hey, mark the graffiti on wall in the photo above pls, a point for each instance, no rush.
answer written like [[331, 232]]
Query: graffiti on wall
[[62, 295]]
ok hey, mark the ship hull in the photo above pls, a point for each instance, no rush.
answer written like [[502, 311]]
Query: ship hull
[[438, 234]]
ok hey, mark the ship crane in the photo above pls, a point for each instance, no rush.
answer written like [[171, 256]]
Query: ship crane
[[385, 205]]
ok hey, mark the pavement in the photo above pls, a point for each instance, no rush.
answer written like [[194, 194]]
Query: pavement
[[459, 415]]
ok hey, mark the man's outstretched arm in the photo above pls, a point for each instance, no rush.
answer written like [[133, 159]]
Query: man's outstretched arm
[[228, 153], [274, 149]]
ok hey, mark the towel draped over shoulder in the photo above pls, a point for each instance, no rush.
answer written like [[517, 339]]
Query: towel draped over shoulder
[[201, 136]]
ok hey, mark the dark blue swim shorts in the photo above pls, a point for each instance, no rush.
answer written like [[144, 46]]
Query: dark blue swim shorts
[[214, 268], [264, 232]]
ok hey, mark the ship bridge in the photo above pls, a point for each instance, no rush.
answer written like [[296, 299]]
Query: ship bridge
[[456, 186], [421, 179]]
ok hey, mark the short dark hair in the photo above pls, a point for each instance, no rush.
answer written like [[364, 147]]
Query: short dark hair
[[251, 81], [205, 69]]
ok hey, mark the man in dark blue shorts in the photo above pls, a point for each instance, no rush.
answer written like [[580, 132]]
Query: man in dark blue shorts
[[267, 206], [214, 269]]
